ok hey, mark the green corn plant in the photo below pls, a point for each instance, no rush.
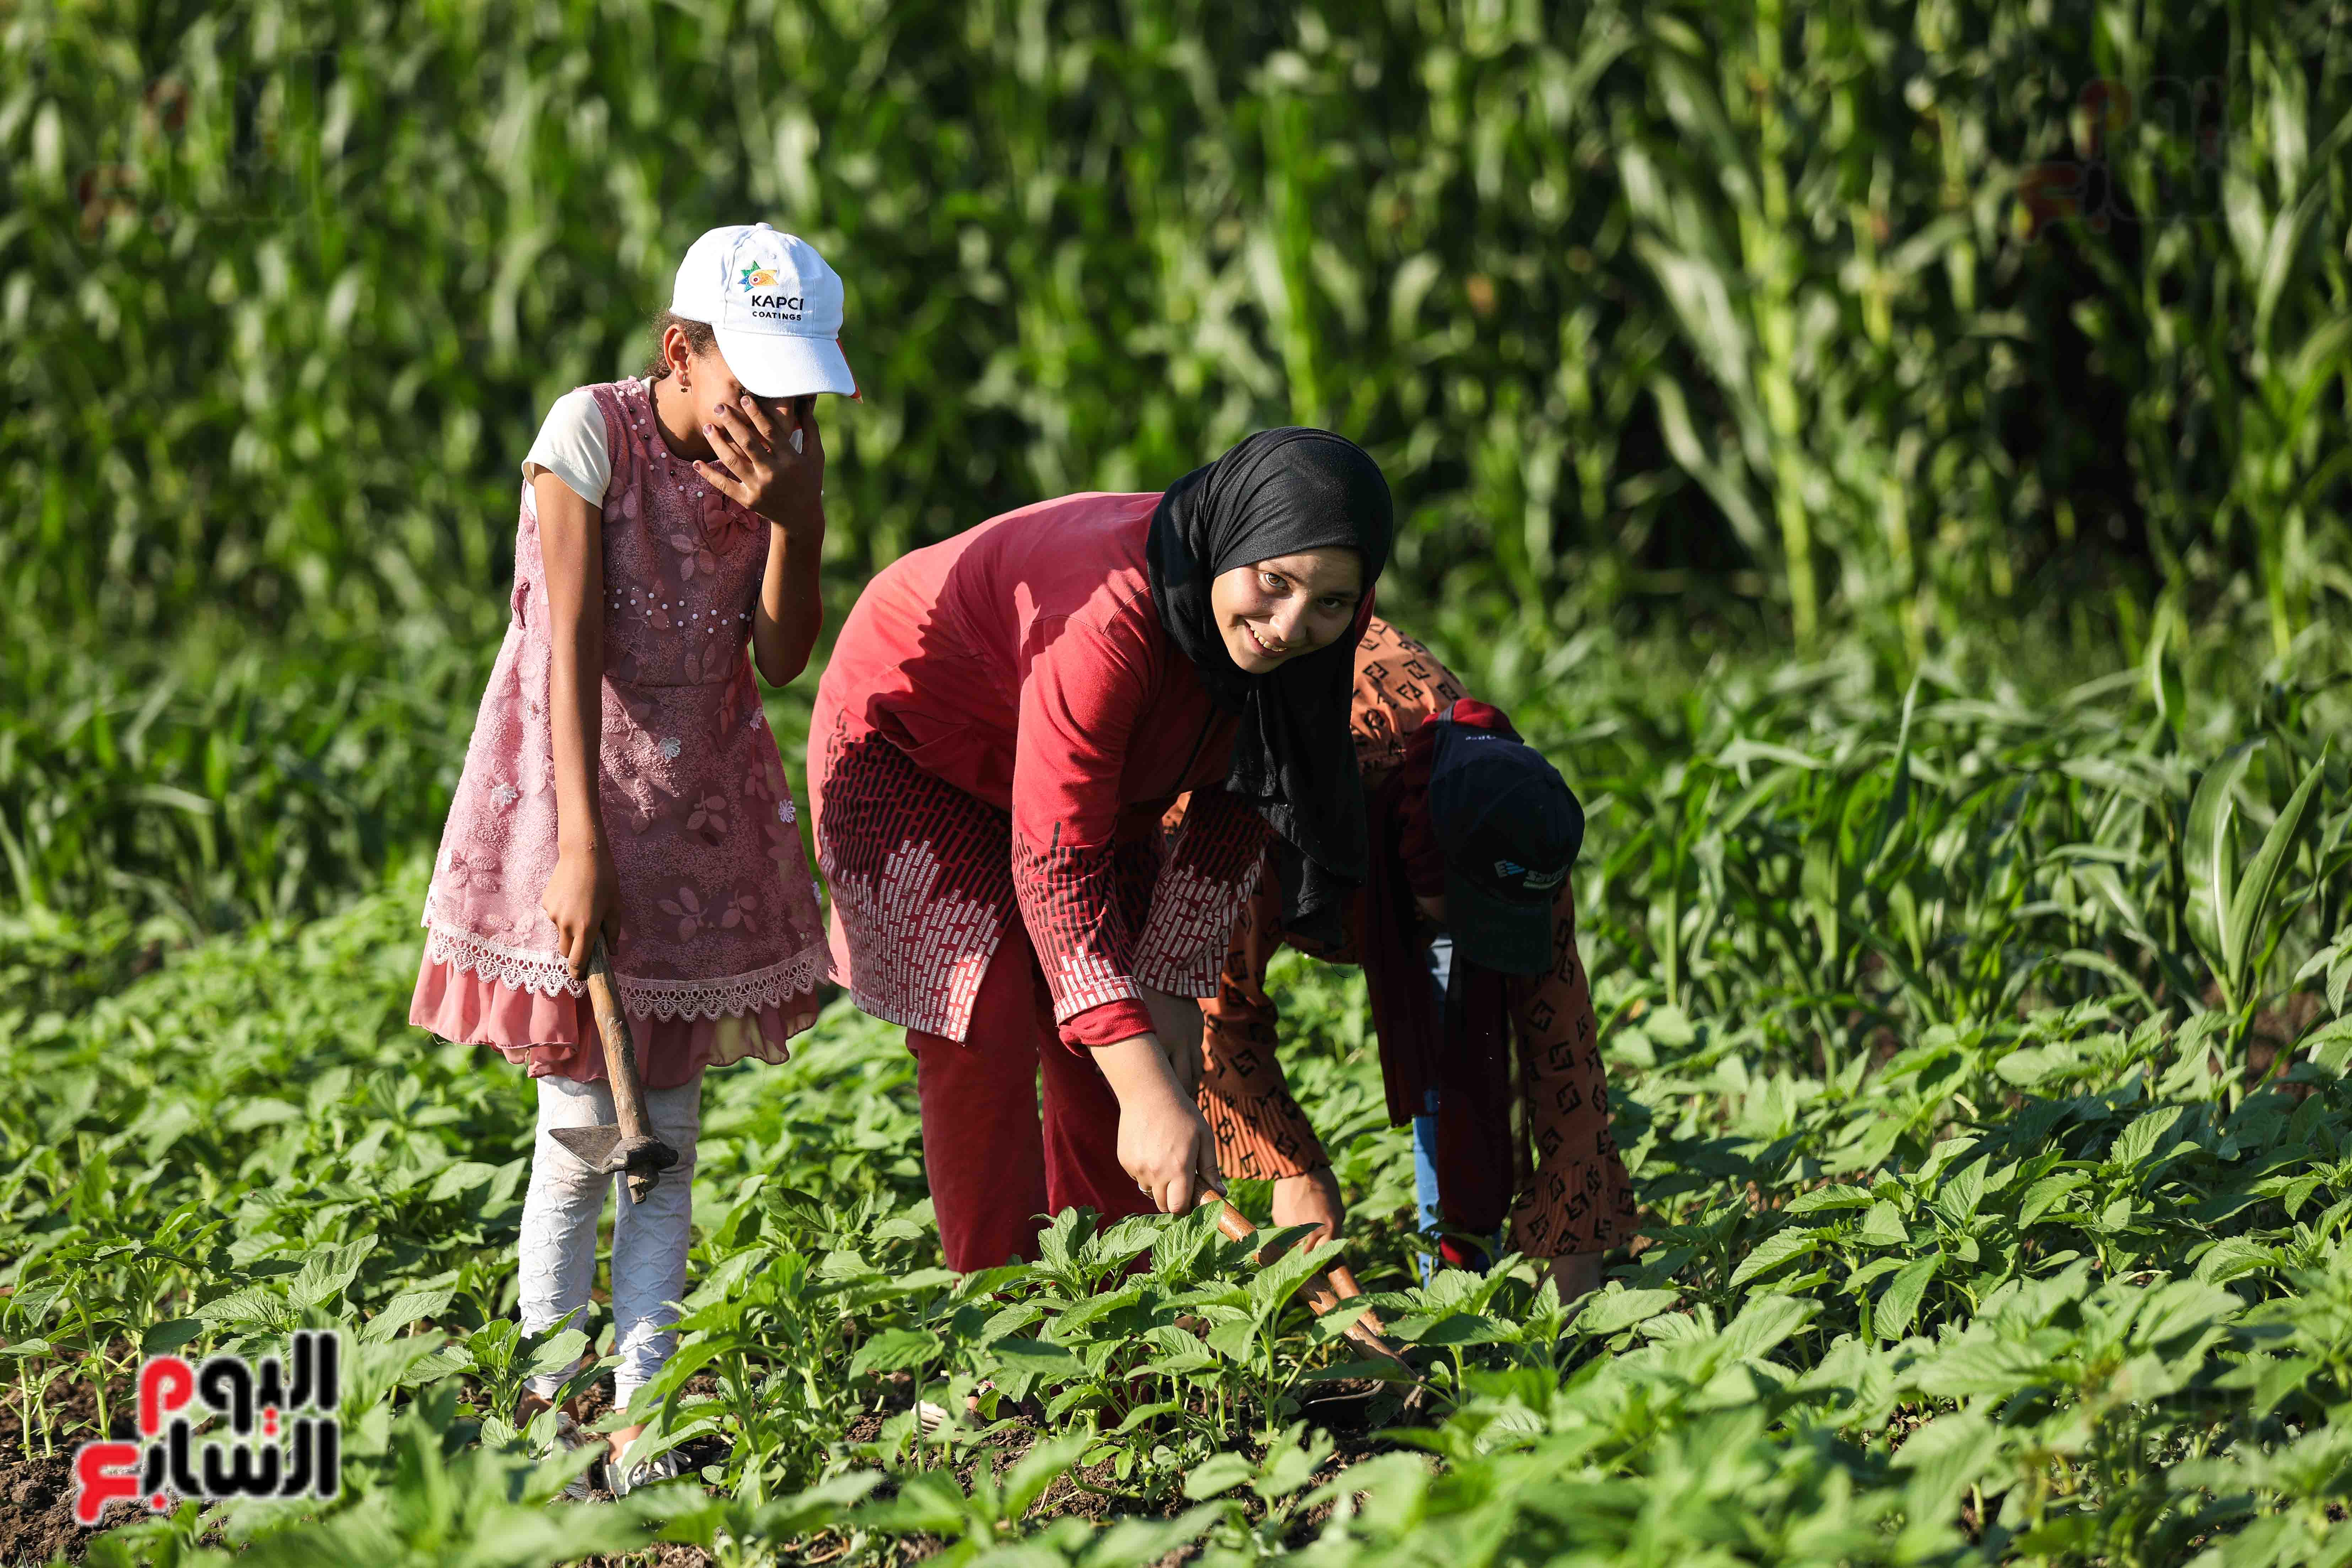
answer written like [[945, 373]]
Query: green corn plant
[[2230, 906], [1644, 310]]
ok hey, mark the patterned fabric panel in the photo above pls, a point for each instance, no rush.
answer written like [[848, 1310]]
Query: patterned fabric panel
[[1081, 927], [1578, 1198], [921, 876], [1399, 685], [1216, 857], [1261, 1131]]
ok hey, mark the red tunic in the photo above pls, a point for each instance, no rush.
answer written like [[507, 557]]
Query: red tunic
[[1001, 726]]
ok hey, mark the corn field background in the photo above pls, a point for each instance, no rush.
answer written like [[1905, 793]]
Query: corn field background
[[1894, 457], [1909, 325]]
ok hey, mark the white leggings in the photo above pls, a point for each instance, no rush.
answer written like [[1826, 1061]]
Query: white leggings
[[649, 1239]]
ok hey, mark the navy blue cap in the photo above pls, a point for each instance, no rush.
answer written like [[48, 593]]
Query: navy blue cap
[[1510, 829]]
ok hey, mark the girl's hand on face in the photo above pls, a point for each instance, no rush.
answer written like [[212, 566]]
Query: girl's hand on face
[[772, 464], [582, 897]]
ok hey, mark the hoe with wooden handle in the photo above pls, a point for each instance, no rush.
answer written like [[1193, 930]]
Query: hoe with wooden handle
[[630, 1147], [1327, 1291]]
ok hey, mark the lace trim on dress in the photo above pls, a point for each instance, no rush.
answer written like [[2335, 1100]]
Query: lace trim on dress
[[514, 968], [732, 994], [547, 974]]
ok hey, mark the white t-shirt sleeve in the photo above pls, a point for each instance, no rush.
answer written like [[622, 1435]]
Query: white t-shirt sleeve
[[571, 446]]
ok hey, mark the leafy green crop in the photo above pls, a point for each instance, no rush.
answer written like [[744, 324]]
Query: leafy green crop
[[1978, 1031], [1986, 1216]]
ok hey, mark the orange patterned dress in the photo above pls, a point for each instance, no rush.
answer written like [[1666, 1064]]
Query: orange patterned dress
[[1578, 1197]]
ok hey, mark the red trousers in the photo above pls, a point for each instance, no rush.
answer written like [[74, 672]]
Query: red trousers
[[996, 1172]]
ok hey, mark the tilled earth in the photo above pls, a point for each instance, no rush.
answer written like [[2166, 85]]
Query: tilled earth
[[36, 1520]]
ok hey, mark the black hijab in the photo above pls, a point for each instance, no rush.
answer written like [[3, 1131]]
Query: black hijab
[[1276, 493]]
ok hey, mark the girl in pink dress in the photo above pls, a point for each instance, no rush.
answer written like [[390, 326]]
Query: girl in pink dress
[[621, 779]]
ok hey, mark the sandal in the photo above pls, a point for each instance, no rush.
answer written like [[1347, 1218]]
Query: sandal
[[621, 1481], [935, 1418], [569, 1438]]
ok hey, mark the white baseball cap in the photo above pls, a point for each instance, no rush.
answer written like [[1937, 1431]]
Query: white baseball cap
[[775, 305]]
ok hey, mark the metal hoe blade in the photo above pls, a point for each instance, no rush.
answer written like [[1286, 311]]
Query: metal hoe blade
[[601, 1148]]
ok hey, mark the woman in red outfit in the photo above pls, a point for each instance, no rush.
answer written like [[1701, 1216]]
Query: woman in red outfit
[[1003, 721]]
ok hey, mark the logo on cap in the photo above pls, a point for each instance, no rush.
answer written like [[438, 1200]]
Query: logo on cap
[[770, 307]]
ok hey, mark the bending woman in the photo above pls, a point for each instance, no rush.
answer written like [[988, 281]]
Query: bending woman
[[1003, 721], [1497, 1065]]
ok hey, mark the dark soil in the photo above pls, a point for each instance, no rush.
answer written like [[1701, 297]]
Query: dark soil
[[36, 1491], [2274, 1031]]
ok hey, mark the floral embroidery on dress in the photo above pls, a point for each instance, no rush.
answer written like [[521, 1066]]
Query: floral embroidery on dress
[[687, 910], [708, 817], [670, 747], [786, 814], [695, 557], [506, 794], [722, 519], [476, 873]]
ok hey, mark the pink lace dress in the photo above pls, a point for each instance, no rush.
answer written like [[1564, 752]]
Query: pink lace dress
[[720, 948]]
